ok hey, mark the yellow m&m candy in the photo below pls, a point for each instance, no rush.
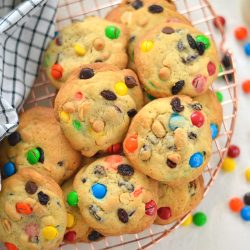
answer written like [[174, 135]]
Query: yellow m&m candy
[[70, 220], [147, 45], [188, 221], [80, 50], [121, 88], [49, 233], [64, 116], [247, 174], [228, 164]]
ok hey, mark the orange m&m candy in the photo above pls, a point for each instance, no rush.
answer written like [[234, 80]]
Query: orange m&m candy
[[241, 33], [246, 86], [10, 246], [57, 71], [131, 143], [236, 204], [23, 208]]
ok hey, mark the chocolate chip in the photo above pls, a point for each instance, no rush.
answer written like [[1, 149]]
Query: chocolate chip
[[94, 236], [176, 105], [129, 186], [131, 39], [178, 87], [31, 187], [117, 108], [197, 106], [60, 163], [171, 164], [130, 82], [86, 73], [14, 138], [192, 188], [137, 4], [108, 95], [132, 112], [200, 48], [84, 180], [122, 215], [125, 170], [191, 42], [155, 9], [189, 59], [99, 171], [41, 159], [93, 209], [130, 214], [167, 30], [192, 136], [43, 198], [180, 46]]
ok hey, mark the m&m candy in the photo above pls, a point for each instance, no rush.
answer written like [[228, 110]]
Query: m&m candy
[[164, 213], [247, 174], [247, 49], [72, 198], [228, 164], [188, 221], [70, 220], [233, 151], [241, 33], [70, 236], [33, 156], [176, 121], [99, 190], [9, 169], [49, 233], [214, 130], [203, 39], [23, 208], [246, 86], [245, 213], [247, 198], [112, 32], [121, 88], [57, 71], [197, 119], [150, 208], [236, 204], [147, 45], [196, 160], [79, 49], [10, 246], [199, 219], [219, 20], [219, 96], [131, 143]]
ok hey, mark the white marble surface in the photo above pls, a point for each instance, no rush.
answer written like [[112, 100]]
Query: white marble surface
[[224, 230]]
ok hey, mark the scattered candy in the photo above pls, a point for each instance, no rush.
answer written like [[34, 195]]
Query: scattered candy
[[176, 121], [70, 236], [228, 164], [246, 86], [241, 33], [64, 116], [219, 20], [112, 32], [131, 143], [245, 213], [70, 220], [77, 125], [188, 221], [72, 198], [196, 160], [57, 71], [214, 130], [10, 246], [80, 50], [23, 208], [247, 198], [197, 119], [236, 204], [150, 208], [147, 45], [164, 213], [219, 96], [49, 232], [247, 49], [199, 219], [9, 169], [233, 151], [121, 89], [247, 174], [99, 190], [203, 39], [33, 156]]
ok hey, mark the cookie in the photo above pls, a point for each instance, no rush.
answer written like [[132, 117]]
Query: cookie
[[39, 143], [96, 105], [170, 140], [84, 42], [175, 202], [77, 229], [114, 198], [32, 212], [175, 58], [213, 109], [141, 16]]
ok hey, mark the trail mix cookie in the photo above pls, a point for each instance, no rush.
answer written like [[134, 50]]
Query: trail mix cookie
[[77, 229], [114, 198], [141, 16], [39, 143], [83, 42], [170, 140], [213, 109], [175, 202], [96, 105], [176, 58], [32, 212]]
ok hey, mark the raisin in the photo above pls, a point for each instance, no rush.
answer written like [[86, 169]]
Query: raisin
[[226, 61], [167, 30], [131, 39], [84, 180], [192, 136], [93, 211], [31, 187], [94, 236], [14, 138], [108, 95], [122, 215], [86, 73], [125, 170], [192, 188], [137, 4], [43, 198], [60, 163], [155, 9], [176, 105], [171, 164], [178, 87], [132, 112], [130, 82], [191, 42]]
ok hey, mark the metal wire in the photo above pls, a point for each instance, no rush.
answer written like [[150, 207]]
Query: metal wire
[[201, 13]]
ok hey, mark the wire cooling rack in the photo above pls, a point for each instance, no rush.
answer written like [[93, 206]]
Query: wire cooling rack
[[201, 13]]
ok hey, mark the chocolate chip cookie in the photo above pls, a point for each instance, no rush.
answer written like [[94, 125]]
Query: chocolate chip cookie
[[114, 198], [175, 58], [96, 105], [83, 42], [170, 140]]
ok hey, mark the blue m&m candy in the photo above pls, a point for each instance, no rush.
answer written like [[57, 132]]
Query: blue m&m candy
[[99, 190], [247, 49], [214, 130], [196, 160], [9, 169], [176, 121], [245, 213]]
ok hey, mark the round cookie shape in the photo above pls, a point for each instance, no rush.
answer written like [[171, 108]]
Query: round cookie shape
[[141, 16], [170, 140], [175, 202], [84, 42], [77, 229], [33, 214], [100, 118], [40, 144], [129, 203], [213, 110], [175, 58]]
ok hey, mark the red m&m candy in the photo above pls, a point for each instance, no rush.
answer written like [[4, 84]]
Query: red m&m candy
[[164, 213], [10, 246], [236, 204], [70, 236], [57, 71], [116, 148], [241, 33], [219, 20], [197, 119], [211, 68], [233, 151], [150, 208]]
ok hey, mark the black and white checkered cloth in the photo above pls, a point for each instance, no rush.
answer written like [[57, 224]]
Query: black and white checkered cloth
[[26, 27]]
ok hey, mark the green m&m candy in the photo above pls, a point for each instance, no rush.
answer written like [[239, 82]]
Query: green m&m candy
[[112, 32], [199, 219], [219, 96], [77, 125], [203, 39], [33, 156], [72, 198]]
